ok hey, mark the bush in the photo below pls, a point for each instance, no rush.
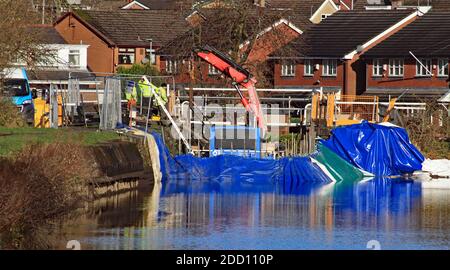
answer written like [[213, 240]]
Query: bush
[[40, 184], [10, 116], [430, 130], [138, 69]]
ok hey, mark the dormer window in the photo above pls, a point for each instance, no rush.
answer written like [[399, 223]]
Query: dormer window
[[74, 58]]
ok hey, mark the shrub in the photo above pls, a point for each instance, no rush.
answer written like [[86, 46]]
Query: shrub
[[40, 184], [139, 69], [10, 116]]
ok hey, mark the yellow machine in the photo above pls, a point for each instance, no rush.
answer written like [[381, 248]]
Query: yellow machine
[[42, 113], [348, 110]]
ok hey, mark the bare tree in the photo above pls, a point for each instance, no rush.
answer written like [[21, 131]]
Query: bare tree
[[19, 42], [234, 27]]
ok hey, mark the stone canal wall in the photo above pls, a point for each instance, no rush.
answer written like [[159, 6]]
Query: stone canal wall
[[121, 166]]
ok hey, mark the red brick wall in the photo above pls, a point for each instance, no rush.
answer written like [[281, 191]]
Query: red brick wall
[[183, 76], [100, 57], [409, 80], [300, 80]]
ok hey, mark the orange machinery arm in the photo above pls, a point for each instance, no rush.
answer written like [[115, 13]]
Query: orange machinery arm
[[239, 75]]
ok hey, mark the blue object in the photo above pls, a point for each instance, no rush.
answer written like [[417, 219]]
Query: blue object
[[235, 140], [20, 84], [16, 86], [236, 173], [378, 149]]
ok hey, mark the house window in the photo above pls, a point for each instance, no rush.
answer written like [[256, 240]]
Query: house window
[[423, 68], [171, 66], [443, 67], [308, 68], [377, 68], [212, 70], [396, 68], [74, 58], [288, 69], [329, 67], [126, 55], [152, 55]]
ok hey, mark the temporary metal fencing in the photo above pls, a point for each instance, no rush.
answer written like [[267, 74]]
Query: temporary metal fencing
[[111, 107]]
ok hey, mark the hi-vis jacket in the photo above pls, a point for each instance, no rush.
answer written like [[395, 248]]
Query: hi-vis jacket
[[147, 92]]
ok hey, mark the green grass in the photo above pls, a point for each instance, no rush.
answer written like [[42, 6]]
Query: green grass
[[13, 140]]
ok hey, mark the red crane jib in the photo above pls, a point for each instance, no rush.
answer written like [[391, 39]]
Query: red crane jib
[[242, 77], [224, 67]]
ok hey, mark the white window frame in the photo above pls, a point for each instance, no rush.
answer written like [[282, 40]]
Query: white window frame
[[396, 67], [442, 67], [308, 68], [377, 67], [171, 66], [131, 52], [288, 69], [75, 53], [421, 71], [153, 56], [329, 67], [212, 70]]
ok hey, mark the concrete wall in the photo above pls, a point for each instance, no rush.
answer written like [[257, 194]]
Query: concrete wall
[[118, 158]]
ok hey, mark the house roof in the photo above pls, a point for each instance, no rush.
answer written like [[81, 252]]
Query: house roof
[[427, 36], [48, 75], [166, 4], [222, 36], [441, 5], [134, 27], [47, 34], [341, 33], [300, 10]]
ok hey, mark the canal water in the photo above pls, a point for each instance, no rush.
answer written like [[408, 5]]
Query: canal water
[[399, 214]]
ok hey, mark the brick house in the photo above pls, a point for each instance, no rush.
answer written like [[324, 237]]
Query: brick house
[[329, 54], [415, 59], [120, 38], [274, 33]]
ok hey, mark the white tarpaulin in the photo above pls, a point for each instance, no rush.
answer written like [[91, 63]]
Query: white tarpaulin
[[437, 167]]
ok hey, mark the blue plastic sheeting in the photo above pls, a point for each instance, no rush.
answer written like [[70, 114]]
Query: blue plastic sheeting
[[378, 149], [237, 173]]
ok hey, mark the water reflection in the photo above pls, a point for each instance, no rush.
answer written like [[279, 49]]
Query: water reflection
[[397, 213]]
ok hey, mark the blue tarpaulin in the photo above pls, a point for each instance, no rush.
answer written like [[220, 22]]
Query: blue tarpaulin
[[238, 172], [379, 149]]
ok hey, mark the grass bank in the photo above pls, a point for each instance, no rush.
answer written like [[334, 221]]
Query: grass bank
[[13, 140], [43, 176]]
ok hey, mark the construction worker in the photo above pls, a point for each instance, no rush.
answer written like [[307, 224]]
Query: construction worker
[[145, 89], [130, 92], [162, 93], [131, 96]]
